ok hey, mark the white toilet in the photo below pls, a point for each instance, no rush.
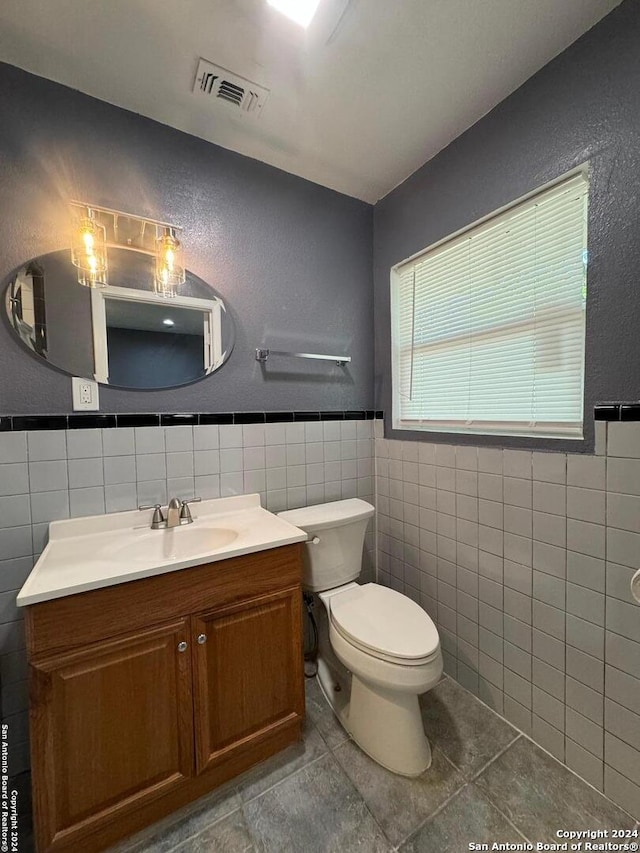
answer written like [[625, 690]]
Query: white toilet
[[378, 650]]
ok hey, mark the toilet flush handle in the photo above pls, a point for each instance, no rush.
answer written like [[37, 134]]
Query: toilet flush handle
[[313, 541]]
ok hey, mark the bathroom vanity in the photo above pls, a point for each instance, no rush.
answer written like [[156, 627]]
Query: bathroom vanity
[[154, 685]]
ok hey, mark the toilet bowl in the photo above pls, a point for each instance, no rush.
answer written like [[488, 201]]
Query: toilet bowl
[[378, 651]]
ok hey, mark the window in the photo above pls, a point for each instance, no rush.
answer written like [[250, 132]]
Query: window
[[488, 325]]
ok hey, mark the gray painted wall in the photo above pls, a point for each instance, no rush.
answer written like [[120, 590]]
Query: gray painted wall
[[585, 105], [291, 258]]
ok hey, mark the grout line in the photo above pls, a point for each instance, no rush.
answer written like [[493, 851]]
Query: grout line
[[496, 756], [577, 775], [284, 778], [506, 817], [435, 813]]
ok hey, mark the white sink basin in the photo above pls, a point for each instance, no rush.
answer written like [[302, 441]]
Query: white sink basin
[[179, 543], [90, 553]]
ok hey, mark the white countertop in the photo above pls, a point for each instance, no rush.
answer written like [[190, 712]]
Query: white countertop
[[104, 550]]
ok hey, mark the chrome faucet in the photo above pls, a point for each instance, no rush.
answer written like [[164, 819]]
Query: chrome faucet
[[173, 512], [178, 513]]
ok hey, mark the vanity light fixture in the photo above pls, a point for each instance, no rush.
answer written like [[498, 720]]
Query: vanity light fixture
[[96, 229], [170, 272], [89, 251], [299, 11]]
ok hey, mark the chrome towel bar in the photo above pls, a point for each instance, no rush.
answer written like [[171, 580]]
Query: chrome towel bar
[[263, 354]]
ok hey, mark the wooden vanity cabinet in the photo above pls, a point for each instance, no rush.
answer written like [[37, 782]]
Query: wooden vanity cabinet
[[149, 694]]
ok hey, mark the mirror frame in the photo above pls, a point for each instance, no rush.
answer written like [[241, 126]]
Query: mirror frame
[[212, 330]]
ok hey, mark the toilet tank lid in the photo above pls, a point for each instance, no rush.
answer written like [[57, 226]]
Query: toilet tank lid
[[331, 514]]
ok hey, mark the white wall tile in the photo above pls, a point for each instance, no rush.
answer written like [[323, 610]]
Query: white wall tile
[[275, 433], [517, 492], [119, 442], [585, 732], [180, 463], [147, 439], [490, 487], [623, 618], [587, 472], [517, 463], [621, 790], [550, 467], [86, 472], [586, 504], [445, 455], [13, 447], [206, 462], [586, 571], [84, 443], [551, 529], [623, 475], [295, 433], [589, 702], [88, 501], [585, 636], [122, 497], [623, 547], [178, 438], [48, 476], [149, 492], [15, 511], [254, 458], [254, 481], [253, 435], [623, 439], [623, 511], [585, 668], [207, 437], [14, 477], [230, 436], [622, 722], [584, 763], [207, 486], [622, 688], [586, 538], [550, 497]]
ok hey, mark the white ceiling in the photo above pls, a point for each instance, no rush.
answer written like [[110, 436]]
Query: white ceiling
[[358, 110]]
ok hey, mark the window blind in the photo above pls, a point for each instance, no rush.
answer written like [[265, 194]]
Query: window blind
[[488, 327]]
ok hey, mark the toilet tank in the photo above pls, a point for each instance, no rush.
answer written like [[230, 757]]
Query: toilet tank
[[339, 528]]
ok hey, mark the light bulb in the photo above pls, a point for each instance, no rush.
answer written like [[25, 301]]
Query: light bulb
[[170, 272], [89, 252]]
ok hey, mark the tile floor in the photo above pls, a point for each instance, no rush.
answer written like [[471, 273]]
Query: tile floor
[[487, 783]]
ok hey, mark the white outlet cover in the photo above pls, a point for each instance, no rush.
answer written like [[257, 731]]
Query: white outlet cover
[[85, 395]]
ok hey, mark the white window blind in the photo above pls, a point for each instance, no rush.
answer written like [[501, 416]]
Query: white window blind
[[488, 327]]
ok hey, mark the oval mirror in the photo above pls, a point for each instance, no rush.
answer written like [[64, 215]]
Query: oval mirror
[[123, 335]]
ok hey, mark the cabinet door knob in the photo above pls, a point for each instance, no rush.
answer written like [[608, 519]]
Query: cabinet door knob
[[182, 647], [202, 638]]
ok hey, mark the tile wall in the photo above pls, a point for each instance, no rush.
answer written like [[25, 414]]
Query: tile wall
[[53, 474], [524, 561]]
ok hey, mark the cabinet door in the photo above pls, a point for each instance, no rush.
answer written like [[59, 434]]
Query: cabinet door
[[248, 674], [112, 729]]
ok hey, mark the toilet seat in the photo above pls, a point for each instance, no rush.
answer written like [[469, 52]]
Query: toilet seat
[[385, 624]]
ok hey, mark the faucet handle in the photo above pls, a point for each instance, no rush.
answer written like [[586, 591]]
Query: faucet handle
[[158, 519], [185, 512]]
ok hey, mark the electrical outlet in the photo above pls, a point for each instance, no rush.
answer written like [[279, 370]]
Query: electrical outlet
[[85, 395]]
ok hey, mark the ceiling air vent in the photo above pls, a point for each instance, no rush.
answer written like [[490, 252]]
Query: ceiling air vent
[[223, 86]]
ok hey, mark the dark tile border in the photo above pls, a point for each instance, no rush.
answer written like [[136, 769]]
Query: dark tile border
[[602, 412], [146, 419]]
